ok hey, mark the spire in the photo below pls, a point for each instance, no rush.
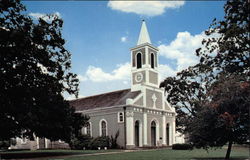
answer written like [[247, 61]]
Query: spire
[[144, 36]]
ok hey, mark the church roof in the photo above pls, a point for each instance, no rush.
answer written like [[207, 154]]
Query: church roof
[[115, 98], [144, 36]]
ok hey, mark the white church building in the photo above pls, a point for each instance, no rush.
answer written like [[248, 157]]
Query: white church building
[[141, 113]]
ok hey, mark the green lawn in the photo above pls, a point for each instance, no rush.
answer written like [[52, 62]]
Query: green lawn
[[168, 154], [161, 154], [24, 154]]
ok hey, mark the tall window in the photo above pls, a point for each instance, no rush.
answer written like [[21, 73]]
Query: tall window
[[120, 117], [152, 60], [138, 60], [88, 129], [103, 128]]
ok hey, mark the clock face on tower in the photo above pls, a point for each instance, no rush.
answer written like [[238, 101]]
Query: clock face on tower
[[138, 77]]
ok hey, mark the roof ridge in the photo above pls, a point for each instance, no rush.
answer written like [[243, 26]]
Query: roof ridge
[[100, 94]]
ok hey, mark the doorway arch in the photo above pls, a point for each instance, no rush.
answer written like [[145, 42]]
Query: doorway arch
[[167, 134], [137, 133], [153, 133]]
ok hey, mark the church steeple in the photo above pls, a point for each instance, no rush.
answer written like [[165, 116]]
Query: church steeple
[[144, 36], [144, 61]]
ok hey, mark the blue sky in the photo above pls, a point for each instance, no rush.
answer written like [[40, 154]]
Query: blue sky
[[99, 35]]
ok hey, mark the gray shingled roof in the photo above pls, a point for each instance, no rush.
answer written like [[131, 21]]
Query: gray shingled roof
[[103, 100]]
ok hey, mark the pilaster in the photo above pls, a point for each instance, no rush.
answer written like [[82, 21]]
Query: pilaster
[[130, 129]]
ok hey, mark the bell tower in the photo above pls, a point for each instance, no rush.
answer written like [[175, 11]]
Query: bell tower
[[144, 61]]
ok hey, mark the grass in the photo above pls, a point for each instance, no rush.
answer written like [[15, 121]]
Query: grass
[[161, 154], [45, 153], [169, 154]]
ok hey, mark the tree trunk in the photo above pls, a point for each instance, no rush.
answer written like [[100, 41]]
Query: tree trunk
[[229, 149]]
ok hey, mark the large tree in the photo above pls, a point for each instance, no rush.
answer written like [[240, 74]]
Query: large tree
[[224, 58], [224, 117], [34, 74]]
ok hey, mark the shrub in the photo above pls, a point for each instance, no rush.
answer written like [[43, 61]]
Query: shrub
[[183, 146], [4, 145], [102, 142], [80, 142], [113, 141]]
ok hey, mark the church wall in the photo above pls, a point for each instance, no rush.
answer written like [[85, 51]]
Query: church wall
[[139, 102], [21, 145], [167, 107], [57, 144], [111, 116], [143, 80], [153, 78], [149, 101], [138, 114]]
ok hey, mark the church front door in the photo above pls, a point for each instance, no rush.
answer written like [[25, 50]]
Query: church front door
[[137, 134], [153, 133], [167, 136]]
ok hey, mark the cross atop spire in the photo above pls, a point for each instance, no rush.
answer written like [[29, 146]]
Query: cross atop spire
[[144, 36]]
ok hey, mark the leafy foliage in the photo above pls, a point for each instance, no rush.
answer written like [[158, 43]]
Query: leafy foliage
[[34, 73], [4, 145], [113, 140], [232, 46], [103, 141], [80, 142], [226, 116], [212, 97]]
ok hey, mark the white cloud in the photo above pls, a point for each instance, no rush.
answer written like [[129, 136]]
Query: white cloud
[[165, 71], [147, 8], [96, 74], [121, 73], [82, 78], [124, 39], [45, 16], [182, 49], [71, 97]]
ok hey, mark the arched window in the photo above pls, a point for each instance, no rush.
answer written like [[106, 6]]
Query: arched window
[[138, 60], [153, 124], [152, 60], [120, 117], [88, 128], [103, 128]]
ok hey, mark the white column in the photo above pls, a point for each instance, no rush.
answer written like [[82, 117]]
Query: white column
[[84, 130], [46, 143], [145, 128], [37, 143], [170, 134], [130, 128], [140, 134], [163, 129], [173, 132], [157, 133], [146, 56]]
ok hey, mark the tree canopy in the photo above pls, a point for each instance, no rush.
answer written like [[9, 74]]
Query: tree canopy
[[212, 97], [34, 74]]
